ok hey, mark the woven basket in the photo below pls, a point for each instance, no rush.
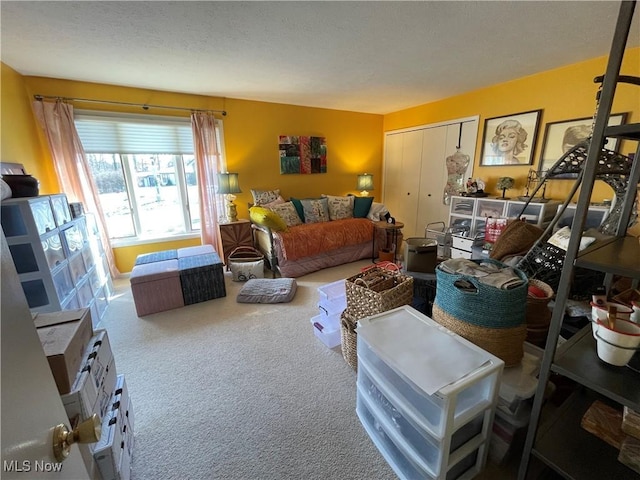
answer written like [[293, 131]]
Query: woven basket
[[516, 239], [482, 305], [538, 313], [349, 340], [377, 290], [505, 343]]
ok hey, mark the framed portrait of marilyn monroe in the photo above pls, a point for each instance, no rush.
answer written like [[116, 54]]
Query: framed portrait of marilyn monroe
[[510, 140], [560, 137]]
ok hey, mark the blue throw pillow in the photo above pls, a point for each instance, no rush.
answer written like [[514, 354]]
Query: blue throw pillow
[[298, 204], [361, 206]]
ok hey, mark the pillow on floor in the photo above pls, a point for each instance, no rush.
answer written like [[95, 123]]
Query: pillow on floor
[[268, 290]]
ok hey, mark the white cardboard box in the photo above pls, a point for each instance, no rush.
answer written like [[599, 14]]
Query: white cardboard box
[[112, 454], [94, 385]]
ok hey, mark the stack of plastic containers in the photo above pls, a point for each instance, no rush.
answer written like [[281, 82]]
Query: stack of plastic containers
[[333, 301], [425, 396]]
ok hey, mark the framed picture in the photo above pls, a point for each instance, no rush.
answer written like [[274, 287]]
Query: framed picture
[[510, 140], [559, 137]]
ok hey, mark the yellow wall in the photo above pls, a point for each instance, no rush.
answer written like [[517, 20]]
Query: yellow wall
[[19, 136], [251, 130], [354, 140], [563, 94]]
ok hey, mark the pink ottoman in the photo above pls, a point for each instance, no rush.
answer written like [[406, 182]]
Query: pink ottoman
[[197, 250], [156, 287]]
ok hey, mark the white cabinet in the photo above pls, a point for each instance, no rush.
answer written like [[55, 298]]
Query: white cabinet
[[59, 259], [425, 427], [415, 172], [468, 215]]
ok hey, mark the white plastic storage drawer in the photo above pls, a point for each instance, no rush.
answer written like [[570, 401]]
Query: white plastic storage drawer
[[327, 329], [399, 458], [431, 452], [452, 405]]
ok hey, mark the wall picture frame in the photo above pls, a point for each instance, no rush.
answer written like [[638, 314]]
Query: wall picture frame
[[560, 136], [510, 139]]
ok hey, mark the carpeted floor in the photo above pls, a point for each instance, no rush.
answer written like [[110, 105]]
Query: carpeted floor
[[223, 390]]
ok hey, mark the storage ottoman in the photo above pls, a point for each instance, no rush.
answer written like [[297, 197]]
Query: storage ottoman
[[201, 277], [197, 250], [156, 256], [156, 287]]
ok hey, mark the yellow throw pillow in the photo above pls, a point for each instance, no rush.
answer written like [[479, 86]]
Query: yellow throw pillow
[[267, 218]]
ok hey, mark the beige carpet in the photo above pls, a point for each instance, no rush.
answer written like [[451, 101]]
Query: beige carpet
[[223, 390]]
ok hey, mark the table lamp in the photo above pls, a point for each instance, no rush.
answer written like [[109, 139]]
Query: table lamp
[[365, 183], [228, 185]]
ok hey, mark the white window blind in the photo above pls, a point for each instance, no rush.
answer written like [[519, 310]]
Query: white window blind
[[131, 134]]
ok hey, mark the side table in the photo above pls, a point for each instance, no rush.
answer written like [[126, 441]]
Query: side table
[[391, 229], [235, 234]]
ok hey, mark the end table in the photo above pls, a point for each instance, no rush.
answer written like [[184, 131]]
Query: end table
[[235, 234], [390, 229]]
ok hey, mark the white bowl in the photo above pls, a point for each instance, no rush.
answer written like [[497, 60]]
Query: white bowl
[[601, 312], [617, 346]]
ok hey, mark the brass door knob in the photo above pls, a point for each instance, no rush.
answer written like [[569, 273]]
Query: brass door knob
[[87, 432]]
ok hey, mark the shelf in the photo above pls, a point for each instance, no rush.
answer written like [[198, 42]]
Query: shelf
[[572, 451], [578, 360], [630, 131], [621, 256]]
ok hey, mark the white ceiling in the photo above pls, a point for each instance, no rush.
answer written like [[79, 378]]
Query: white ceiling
[[374, 57]]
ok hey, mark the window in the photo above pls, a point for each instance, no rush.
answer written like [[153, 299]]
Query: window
[[145, 172]]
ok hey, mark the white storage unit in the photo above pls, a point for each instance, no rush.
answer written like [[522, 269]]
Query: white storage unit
[[60, 260], [472, 212], [425, 396], [332, 302]]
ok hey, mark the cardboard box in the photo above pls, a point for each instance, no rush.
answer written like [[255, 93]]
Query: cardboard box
[[94, 386], [113, 452], [64, 336]]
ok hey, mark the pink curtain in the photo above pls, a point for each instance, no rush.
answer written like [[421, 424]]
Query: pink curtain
[[208, 161], [71, 165]]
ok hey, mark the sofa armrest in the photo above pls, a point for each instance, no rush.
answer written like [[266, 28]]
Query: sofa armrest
[[263, 241]]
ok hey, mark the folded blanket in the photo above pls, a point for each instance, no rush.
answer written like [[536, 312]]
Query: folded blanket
[[312, 238], [486, 273]]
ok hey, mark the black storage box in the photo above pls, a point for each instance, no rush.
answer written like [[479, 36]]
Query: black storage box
[[421, 255]]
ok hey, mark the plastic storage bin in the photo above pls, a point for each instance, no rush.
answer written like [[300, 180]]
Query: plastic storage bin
[[428, 418], [333, 298], [429, 452], [327, 329], [453, 405], [400, 458]]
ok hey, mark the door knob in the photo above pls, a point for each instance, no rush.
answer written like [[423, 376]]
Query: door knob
[[87, 432]]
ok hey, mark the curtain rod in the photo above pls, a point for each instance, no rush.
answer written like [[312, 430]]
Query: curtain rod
[[144, 106]]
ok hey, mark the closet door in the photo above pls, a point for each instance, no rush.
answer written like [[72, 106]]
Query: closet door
[[432, 180], [439, 142], [403, 162], [415, 172]]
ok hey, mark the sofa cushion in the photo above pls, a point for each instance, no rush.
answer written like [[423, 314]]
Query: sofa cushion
[[361, 206], [267, 218], [261, 197], [339, 207], [377, 212], [316, 210], [288, 213]]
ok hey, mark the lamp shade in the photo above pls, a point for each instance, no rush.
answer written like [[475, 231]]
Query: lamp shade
[[228, 183], [365, 182]]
